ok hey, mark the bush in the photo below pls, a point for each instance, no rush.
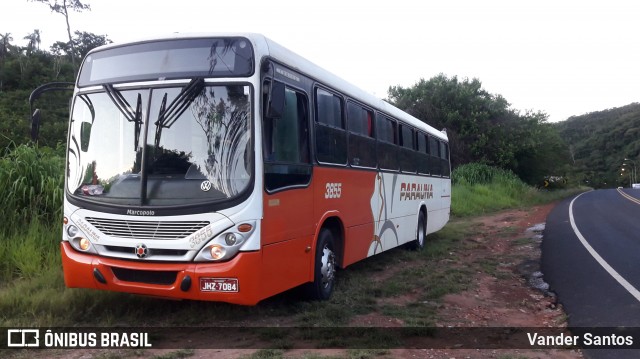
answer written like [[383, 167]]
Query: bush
[[31, 185], [479, 173], [478, 189]]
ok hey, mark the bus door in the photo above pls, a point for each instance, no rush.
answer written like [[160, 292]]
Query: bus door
[[288, 224]]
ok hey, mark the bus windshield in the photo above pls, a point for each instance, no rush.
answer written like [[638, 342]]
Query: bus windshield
[[195, 147]]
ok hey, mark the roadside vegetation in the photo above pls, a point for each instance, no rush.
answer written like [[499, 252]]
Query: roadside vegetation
[[32, 290], [478, 189], [401, 287], [31, 185]]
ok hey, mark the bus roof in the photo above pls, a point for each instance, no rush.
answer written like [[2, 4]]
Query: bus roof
[[267, 47]]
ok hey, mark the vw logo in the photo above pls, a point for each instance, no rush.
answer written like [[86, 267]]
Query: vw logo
[[205, 186], [141, 250]]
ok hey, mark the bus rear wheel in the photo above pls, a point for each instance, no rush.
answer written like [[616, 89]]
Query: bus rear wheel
[[325, 267], [421, 234]]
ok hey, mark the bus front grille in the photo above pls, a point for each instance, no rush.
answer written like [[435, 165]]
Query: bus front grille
[[152, 251], [146, 229], [145, 276]]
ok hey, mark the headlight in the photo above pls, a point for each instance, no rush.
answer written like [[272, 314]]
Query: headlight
[[226, 245], [72, 231], [84, 244], [78, 239], [230, 239], [217, 252], [221, 248]]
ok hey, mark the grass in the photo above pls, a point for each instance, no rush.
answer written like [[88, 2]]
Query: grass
[[480, 189], [31, 185], [400, 284], [29, 253]]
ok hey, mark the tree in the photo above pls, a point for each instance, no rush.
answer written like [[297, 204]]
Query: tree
[[465, 109], [34, 41], [5, 44], [482, 127], [600, 141], [62, 7], [84, 42], [81, 44]]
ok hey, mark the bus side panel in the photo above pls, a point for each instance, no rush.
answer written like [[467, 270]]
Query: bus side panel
[[399, 197], [285, 265], [438, 215], [357, 245], [437, 220], [347, 192], [287, 234], [287, 215], [389, 208]]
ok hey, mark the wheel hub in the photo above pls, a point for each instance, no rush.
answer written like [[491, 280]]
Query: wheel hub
[[328, 266]]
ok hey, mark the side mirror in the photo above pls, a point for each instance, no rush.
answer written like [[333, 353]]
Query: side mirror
[[35, 94], [35, 124], [275, 101]]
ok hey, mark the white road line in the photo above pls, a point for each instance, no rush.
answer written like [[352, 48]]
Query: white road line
[[631, 289]]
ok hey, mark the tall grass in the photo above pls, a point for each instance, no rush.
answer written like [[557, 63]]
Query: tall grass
[[31, 185], [478, 189]]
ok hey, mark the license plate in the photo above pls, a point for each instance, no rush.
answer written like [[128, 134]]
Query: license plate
[[227, 285]]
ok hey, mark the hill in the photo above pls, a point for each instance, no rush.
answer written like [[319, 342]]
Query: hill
[[600, 141]]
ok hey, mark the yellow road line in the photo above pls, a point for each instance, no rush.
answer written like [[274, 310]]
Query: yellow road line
[[629, 197]]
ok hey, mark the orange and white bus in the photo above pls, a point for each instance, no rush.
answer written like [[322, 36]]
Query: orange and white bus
[[225, 167]]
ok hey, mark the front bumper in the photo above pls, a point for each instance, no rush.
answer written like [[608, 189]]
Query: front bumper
[[160, 279]]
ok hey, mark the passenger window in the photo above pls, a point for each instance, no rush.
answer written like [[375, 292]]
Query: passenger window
[[422, 143], [444, 162], [423, 154], [362, 145], [444, 151], [286, 144], [331, 136], [386, 129], [433, 147], [386, 149], [407, 137], [408, 156], [329, 109], [360, 120]]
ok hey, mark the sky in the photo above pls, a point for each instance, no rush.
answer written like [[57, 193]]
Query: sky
[[561, 57]]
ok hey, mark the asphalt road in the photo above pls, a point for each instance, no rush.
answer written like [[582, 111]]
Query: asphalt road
[[592, 262]]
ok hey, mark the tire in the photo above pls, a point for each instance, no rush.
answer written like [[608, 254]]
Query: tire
[[324, 268], [421, 234]]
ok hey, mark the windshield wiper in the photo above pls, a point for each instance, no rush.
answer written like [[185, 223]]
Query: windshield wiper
[[168, 115], [126, 110]]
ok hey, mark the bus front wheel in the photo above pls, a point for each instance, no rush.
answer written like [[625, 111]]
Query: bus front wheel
[[324, 268]]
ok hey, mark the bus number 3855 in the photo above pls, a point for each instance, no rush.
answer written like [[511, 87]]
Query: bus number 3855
[[333, 190]]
